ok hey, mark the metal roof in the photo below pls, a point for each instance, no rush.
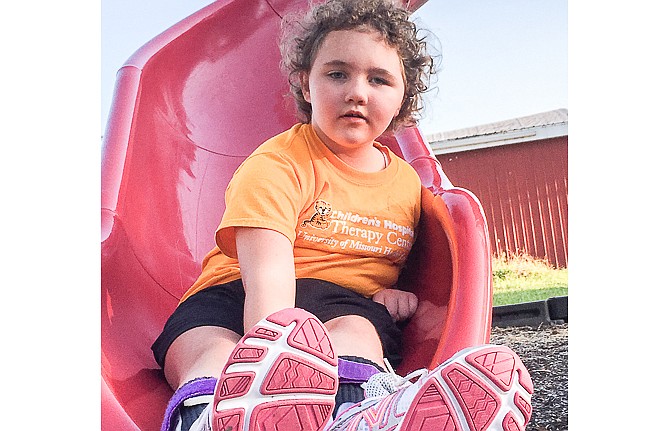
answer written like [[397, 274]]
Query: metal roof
[[533, 127]]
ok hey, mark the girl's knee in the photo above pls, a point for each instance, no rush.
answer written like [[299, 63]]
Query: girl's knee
[[199, 352], [350, 325], [355, 336]]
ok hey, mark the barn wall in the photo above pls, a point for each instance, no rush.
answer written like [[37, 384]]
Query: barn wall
[[524, 191]]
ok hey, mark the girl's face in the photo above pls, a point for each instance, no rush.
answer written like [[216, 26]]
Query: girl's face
[[355, 87]]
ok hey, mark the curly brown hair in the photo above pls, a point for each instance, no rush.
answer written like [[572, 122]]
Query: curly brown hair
[[301, 39]]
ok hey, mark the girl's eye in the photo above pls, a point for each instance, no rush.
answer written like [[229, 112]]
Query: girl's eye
[[336, 75], [379, 81]]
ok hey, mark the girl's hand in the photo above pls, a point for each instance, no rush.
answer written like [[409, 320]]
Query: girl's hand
[[400, 304]]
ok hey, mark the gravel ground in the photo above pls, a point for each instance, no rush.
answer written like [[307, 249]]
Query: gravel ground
[[544, 352]]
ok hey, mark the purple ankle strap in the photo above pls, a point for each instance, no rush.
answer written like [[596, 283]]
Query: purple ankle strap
[[193, 388], [354, 372]]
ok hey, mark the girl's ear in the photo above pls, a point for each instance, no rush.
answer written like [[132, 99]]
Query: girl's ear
[[397, 111], [304, 84]]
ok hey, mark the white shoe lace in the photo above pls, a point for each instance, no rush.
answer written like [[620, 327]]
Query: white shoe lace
[[384, 384]]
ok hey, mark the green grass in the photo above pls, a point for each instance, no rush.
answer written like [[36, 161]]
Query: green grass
[[522, 278]]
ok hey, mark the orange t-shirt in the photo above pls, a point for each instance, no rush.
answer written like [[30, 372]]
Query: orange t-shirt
[[351, 228]]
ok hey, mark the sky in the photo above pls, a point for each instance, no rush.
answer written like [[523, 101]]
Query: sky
[[499, 59]]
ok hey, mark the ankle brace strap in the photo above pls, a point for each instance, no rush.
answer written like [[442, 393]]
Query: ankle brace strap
[[193, 388], [351, 369]]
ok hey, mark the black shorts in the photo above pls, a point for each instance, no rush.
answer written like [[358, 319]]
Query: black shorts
[[223, 306]]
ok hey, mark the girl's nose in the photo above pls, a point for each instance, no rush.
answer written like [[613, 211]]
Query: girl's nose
[[356, 91]]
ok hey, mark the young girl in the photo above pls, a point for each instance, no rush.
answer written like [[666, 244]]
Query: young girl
[[295, 307]]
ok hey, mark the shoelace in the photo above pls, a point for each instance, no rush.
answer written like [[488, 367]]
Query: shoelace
[[384, 384]]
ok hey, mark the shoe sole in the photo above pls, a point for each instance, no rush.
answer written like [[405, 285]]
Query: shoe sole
[[282, 375], [482, 388]]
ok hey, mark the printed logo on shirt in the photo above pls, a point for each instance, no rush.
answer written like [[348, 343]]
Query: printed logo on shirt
[[353, 233], [321, 217]]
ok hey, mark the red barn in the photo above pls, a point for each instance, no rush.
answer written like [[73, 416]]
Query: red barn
[[519, 171]]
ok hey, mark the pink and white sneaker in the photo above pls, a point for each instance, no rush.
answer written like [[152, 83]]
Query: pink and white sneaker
[[480, 388], [282, 375]]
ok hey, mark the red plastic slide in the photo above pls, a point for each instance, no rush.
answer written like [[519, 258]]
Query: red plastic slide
[[188, 107]]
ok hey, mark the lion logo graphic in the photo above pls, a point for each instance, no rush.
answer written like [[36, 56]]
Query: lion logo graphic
[[321, 217]]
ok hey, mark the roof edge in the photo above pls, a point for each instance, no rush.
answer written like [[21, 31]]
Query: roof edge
[[522, 129], [499, 139]]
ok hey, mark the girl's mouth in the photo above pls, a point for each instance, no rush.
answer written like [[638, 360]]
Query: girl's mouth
[[354, 114]]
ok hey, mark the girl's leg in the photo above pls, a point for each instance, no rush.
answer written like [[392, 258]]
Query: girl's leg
[[355, 336], [284, 370], [360, 354], [198, 352], [202, 351], [192, 364]]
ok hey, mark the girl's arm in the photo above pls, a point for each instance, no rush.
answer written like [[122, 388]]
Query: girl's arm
[[268, 272]]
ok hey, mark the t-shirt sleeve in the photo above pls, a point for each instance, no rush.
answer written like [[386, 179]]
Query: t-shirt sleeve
[[263, 193]]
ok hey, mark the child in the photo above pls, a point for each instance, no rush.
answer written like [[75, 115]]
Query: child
[[295, 307]]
